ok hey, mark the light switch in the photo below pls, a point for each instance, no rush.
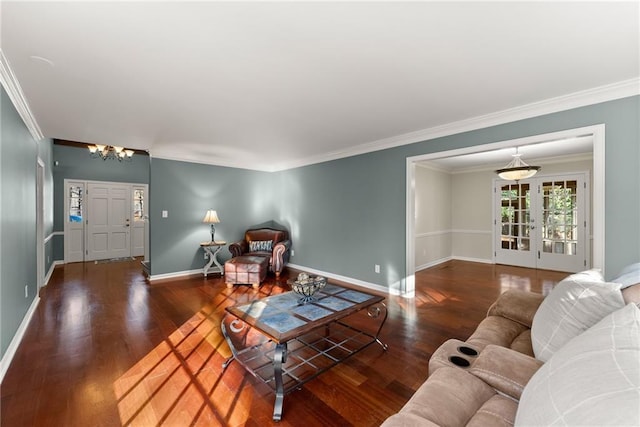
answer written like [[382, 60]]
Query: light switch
[[165, 214]]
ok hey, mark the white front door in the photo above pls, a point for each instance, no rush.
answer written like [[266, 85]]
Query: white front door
[[74, 217], [542, 223], [108, 226]]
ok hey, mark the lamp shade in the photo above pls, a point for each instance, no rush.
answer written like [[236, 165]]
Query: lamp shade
[[516, 174], [211, 217], [517, 169]]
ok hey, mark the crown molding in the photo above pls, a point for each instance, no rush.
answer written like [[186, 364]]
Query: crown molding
[[12, 86], [583, 98], [221, 163]]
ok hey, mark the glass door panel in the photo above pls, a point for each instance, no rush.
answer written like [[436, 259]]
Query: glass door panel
[[515, 217], [514, 245], [559, 204], [74, 213], [563, 224]]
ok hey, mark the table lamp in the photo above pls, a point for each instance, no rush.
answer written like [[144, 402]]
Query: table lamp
[[211, 218]]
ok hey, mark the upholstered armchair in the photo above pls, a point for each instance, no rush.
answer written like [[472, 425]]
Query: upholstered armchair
[[268, 240]]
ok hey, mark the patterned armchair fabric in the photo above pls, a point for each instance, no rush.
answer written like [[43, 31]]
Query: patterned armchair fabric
[[269, 242]]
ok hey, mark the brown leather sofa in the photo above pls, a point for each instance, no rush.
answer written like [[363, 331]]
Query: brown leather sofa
[[268, 240]]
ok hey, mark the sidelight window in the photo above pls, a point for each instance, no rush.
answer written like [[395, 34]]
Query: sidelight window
[[75, 204]]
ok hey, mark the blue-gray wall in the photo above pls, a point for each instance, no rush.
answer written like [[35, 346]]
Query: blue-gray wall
[[344, 215], [45, 154], [74, 163], [18, 159], [349, 214], [186, 191]]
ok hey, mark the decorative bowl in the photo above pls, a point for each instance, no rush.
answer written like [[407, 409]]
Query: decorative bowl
[[307, 286]]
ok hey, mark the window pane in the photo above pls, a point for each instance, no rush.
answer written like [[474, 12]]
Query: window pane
[[138, 205], [75, 204]]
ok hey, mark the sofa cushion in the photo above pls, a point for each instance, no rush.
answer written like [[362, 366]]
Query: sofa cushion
[[593, 380], [504, 332], [519, 306], [575, 304]]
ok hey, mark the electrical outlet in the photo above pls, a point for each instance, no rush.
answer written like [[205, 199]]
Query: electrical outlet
[[165, 214], [26, 291], [376, 268], [293, 253]]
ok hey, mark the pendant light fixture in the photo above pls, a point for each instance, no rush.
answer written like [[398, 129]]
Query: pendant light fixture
[[517, 169], [104, 152]]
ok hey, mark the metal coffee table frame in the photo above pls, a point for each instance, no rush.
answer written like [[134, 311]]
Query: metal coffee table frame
[[286, 360]]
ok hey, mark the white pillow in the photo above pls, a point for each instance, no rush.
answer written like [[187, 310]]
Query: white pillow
[[629, 276], [574, 305], [593, 380]]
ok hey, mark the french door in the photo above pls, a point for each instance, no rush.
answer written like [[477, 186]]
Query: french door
[[542, 223]]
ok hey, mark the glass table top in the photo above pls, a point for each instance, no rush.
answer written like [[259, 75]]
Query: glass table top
[[282, 315]]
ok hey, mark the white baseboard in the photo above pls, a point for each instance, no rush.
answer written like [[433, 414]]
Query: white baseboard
[[176, 275], [54, 264], [433, 263], [361, 283], [481, 260], [458, 258], [17, 338]]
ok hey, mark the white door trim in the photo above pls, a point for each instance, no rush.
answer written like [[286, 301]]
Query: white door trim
[[40, 270], [85, 183], [598, 134]]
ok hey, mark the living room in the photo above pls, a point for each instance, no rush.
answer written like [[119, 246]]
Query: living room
[[346, 208]]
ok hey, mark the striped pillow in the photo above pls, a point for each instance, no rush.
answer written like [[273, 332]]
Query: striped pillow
[[260, 246]]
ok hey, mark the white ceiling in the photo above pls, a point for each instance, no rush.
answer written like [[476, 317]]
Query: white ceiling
[[268, 85]]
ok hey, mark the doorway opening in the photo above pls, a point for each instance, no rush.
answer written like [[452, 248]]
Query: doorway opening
[[597, 135], [105, 220]]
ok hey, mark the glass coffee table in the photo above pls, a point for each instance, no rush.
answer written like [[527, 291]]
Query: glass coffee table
[[286, 343]]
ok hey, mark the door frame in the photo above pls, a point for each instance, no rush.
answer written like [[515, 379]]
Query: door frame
[[597, 132], [40, 268], [583, 177], [85, 183]]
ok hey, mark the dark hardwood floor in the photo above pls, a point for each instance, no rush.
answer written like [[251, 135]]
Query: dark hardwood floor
[[107, 348]]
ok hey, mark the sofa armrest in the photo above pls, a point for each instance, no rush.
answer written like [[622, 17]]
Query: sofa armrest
[[238, 248], [452, 397], [280, 255], [505, 370], [519, 306], [281, 247]]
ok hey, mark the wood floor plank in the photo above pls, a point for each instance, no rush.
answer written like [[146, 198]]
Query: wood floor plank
[[107, 348]]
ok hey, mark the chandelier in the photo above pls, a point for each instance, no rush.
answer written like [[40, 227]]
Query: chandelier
[[104, 152], [517, 169]]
